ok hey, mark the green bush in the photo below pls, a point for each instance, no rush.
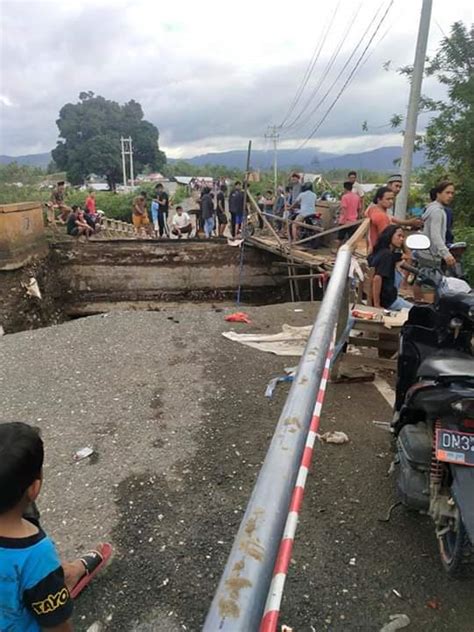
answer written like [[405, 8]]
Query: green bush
[[467, 234]]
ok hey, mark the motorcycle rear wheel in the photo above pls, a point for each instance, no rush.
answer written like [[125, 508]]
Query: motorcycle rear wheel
[[456, 551]]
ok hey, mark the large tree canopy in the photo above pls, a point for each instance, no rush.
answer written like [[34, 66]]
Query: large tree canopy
[[90, 134], [449, 136]]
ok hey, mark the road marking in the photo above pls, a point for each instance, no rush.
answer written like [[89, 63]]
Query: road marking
[[385, 390]]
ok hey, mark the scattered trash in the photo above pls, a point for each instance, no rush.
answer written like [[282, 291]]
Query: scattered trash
[[385, 425], [95, 627], [336, 436], [396, 593], [272, 384], [164, 583], [290, 370], [297, 310], [238, 317], [83, 453], [286, 628], [32, 288], [434, 604], [397, 622], [234, 242], [352, 561]]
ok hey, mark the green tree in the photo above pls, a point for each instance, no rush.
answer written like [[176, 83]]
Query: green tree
[[449, 136], [90, 132]]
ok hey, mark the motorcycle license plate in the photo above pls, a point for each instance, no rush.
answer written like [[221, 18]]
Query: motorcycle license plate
[[455, 447]]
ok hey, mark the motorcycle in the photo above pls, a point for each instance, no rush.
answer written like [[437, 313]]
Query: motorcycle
[[433, 420], [314, 220]]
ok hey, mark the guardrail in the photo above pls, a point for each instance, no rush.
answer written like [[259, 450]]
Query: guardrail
[[109, 227], [239, 602]]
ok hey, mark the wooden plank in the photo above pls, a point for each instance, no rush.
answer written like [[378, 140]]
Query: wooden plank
[[265, 220], [327, 232], [376, 363], [361, 232]]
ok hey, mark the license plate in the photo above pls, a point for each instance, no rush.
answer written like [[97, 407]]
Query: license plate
[[455, 447]]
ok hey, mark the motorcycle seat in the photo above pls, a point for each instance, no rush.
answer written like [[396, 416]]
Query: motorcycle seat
[[443, 366]]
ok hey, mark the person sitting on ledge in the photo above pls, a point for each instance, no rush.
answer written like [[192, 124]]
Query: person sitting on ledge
[[181, 223], [77, 225]]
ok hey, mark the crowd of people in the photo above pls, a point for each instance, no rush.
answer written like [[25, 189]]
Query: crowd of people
[[288, 209]]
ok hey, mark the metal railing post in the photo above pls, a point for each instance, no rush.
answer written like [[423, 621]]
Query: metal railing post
[[239, 601]]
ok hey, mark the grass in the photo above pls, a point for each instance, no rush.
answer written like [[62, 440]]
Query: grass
[[114, 205]]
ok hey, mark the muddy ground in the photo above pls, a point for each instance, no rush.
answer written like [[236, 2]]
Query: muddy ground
[[180, 425]]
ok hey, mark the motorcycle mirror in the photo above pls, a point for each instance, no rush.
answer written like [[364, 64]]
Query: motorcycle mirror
[[418, 241]]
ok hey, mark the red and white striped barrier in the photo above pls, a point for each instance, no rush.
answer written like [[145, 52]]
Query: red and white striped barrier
[[272, 607]]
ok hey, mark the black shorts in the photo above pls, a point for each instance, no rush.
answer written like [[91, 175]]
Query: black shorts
[[345, 233], [222, 217]]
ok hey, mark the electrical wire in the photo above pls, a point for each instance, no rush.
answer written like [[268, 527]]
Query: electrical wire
[[341, 72], [348, 79], [309, 69], [326, 71]]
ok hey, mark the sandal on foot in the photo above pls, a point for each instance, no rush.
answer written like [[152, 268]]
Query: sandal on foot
[[94, 561]]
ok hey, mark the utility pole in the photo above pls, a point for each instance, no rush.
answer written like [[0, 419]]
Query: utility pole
[[132, 179], [126, 147], [413, 107], [122, 149], [273, 135]]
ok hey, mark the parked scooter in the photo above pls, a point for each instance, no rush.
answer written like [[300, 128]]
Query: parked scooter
[[434, 413]]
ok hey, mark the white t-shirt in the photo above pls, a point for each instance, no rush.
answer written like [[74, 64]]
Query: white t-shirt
[[181, 220], [357, 188], [307, 200]]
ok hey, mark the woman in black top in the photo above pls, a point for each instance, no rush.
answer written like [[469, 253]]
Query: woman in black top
[[385, 256]]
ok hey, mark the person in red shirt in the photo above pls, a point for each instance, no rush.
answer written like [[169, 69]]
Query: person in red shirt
[[90, 204], [351, 206], [379, 217]]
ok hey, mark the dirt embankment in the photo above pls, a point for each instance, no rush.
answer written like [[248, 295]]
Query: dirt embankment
[[18, 309]]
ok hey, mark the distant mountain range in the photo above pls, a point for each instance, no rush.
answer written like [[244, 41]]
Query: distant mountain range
[[31, 160], [310, 160]]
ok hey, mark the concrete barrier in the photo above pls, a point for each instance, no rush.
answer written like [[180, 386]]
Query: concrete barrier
[[22, 234]]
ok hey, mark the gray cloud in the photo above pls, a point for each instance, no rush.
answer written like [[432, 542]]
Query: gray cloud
[[50, 55]]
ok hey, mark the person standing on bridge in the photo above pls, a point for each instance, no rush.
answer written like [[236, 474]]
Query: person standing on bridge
[[236, 208], [207, 212], [140, 216], [351, 205], [164, 205], [356, 186], [221, 214]]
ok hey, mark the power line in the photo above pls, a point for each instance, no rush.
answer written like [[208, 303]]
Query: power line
[[310, 68], [349, 78], [329, 65], [341, 72]]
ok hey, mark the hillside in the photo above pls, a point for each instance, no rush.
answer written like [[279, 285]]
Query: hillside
[[381, 159]]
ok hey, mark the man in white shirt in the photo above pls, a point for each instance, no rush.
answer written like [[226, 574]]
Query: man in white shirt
[[181, 223], [356, 186], [306, 201]]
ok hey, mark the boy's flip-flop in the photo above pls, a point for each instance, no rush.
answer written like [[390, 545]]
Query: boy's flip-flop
[[94, 561]]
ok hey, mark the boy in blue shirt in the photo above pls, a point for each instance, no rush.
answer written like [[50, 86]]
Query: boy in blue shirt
[[34, 587]]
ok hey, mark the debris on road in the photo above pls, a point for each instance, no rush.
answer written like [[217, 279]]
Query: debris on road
[[336, 436], [396, 593], [397, 622], [83, 453], [434, 604], [238, 317], [32, 288], [352, 561], [273, 383], [286, 628]]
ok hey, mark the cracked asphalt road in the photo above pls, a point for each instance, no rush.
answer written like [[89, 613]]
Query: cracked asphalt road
[[180, 425]]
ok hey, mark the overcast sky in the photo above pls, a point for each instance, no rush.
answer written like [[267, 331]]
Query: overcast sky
[[209, 74]]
